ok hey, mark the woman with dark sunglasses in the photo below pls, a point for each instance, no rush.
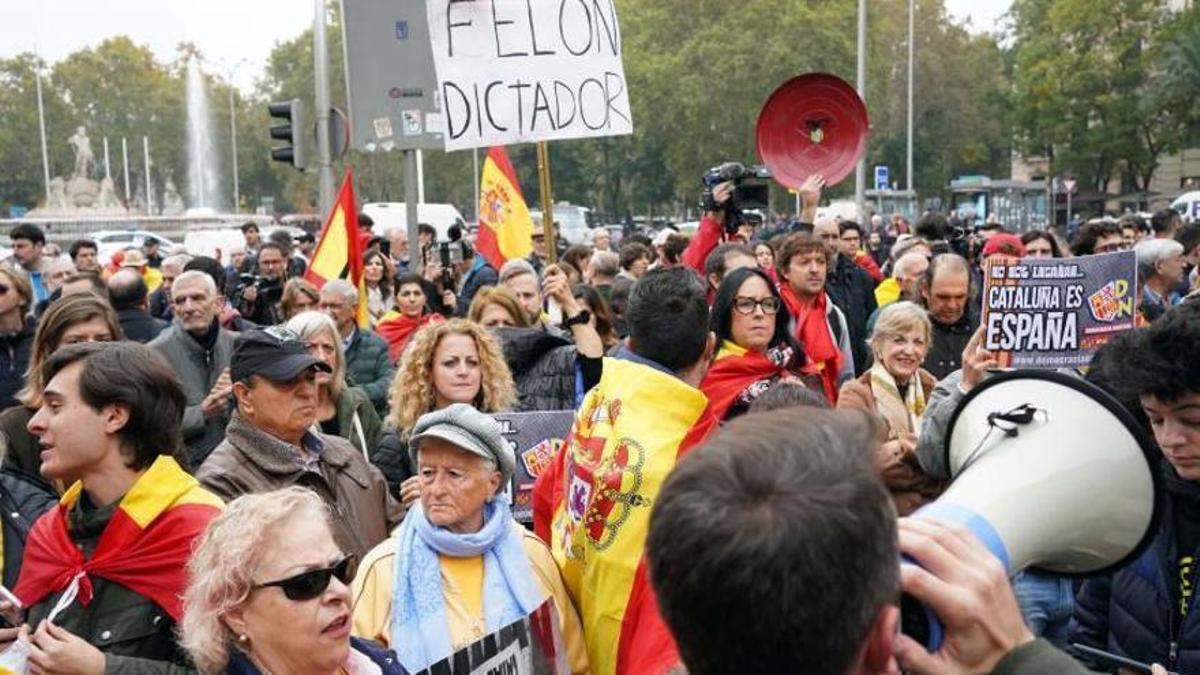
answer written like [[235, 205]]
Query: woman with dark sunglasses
[[459, 567], [269, 592], [757, 347]]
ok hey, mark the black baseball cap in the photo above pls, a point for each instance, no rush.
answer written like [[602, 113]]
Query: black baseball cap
[[275, 353]]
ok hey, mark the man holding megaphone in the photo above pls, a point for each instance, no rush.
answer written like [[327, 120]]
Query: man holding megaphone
[[773, 551]]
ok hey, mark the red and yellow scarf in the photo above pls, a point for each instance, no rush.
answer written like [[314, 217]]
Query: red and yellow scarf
[[736, 369], [592, 505], [814, 334], [145, 547]]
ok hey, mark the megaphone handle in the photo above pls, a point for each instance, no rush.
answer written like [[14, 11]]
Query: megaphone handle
[[919, 621]]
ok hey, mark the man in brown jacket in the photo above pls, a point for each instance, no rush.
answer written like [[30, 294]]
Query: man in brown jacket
[[269, 443]]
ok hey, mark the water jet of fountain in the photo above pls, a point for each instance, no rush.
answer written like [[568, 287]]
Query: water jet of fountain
[[203, 176]]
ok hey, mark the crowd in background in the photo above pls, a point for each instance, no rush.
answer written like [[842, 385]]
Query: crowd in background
[[248, 415]]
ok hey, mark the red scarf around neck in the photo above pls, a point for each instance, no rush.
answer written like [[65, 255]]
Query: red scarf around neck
[[814, 334], [398, 329], [145, 547]]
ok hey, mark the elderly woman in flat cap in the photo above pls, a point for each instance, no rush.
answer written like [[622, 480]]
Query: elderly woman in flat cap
[[459, 567]]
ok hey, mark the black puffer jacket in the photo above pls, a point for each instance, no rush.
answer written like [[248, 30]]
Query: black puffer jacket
[[392, 460], [14, 360], [22, 501], [853, 291], [543, 368]]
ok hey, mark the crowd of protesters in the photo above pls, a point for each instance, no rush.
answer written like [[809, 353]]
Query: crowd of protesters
[[218, 466]]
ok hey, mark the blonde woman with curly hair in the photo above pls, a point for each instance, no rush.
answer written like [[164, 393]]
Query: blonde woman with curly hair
[[453, 362], [269, 592]]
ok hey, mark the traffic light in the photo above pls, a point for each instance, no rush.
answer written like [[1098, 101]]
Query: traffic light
[[294, 131]]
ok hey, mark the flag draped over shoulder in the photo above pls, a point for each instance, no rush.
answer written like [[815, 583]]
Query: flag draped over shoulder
[[592, 505], [736, 369], [339, 251], [505, 226], [145, 546]]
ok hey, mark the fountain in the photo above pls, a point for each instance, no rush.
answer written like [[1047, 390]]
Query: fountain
[[203, 176], [85, 198]]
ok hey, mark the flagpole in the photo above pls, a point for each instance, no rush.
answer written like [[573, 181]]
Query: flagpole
[[475, 164], [543, 156]]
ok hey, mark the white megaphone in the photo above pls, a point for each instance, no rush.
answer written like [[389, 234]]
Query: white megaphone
[[1048, 471]]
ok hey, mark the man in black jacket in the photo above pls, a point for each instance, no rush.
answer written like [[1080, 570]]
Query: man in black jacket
[[851, 289], [127, 292], [946, 290]]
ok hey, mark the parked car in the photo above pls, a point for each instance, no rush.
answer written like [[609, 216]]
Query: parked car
[[109, 242]]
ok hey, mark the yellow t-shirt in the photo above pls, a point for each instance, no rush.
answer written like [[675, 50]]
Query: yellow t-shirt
[[466, 576], [372, 592]]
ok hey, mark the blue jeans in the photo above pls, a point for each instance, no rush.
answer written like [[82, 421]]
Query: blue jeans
[[1047, 602]]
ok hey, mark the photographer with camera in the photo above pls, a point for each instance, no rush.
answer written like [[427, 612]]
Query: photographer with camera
[[723, 210], [259, 295]]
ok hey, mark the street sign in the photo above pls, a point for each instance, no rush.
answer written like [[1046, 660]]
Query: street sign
[[881, 178], [391, 87]]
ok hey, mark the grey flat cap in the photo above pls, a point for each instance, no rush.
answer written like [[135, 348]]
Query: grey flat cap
[[469, 429]]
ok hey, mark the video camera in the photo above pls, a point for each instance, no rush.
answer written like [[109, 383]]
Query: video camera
[[751, 191], [270, 290]]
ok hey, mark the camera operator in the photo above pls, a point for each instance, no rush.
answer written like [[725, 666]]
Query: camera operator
[[259, 295], [714, 229]]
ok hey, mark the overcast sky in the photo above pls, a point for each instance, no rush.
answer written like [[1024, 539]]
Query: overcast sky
[[226, 31]]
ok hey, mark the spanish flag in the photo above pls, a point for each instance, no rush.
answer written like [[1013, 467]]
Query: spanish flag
[[505, 226], [592, 505], [145, 546], [340, 249]]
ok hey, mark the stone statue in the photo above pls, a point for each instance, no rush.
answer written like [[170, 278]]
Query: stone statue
[[83, 153], [108, 195], [58, 194], [172, 201]]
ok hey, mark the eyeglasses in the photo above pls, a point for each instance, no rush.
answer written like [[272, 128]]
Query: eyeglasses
[[748, 305], [308, 585]]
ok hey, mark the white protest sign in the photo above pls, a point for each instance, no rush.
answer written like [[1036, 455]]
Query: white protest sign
[[516, 71]]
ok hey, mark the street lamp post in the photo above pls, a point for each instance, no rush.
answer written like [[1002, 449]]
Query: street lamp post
[[237, 197], [912, 5], [42, 127], [860, 171]]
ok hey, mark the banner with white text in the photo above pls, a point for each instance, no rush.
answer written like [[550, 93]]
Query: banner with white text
[[517, 71], [1057, 312]]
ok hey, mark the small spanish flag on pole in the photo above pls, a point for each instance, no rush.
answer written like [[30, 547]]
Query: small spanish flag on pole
[[505, 226], [339, 251]]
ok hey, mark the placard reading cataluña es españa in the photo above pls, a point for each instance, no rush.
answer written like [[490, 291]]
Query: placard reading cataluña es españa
[[1056, 312]]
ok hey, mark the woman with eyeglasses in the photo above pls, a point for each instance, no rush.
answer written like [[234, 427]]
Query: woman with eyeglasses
[[269, 592], [409, 315], [757, 345], [897, 389], [342, 410], [460, 567]]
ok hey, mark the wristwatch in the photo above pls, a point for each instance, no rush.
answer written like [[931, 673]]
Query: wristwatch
[[579, 319]]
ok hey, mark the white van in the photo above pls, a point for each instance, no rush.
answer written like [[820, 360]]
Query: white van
[[388, 215], [1188, 206]]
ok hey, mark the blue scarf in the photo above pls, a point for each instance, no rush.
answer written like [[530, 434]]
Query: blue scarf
[[420, 630]]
